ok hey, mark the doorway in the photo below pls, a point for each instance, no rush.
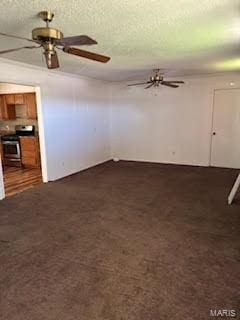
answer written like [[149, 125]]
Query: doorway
[[225, 146], [19, 143]]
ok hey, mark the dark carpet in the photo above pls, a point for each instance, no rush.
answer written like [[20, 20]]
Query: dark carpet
[[122, 241]]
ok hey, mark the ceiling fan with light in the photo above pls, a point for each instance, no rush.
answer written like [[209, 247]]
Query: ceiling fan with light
[[156, 80], [51, 39]]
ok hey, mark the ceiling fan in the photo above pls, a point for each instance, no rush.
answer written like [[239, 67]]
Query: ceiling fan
[[51, 39], [157, 80]]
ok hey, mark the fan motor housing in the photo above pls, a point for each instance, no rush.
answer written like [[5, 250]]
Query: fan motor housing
[[46, 34]]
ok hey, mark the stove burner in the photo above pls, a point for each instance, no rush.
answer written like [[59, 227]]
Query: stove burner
[[10, 137]]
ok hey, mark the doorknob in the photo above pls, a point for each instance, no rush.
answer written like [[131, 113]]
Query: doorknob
[[214, 133]]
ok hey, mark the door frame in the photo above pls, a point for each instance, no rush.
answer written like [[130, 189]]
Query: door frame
[[211, 131], [212, 122], [42, 142]]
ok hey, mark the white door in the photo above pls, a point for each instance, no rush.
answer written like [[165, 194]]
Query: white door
[[225, 150]]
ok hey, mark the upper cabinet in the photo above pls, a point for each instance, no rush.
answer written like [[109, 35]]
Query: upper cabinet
[[8, 103], [2, 108], [9, 99], [31, 105], [19, 98], [7, 112], [15, 99]]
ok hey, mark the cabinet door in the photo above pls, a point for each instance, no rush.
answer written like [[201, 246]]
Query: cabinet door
[[10, 112], [19, 98], [30, 152], [9, 98], [2, 108], [31, 105], [29, 161], [7, 112]]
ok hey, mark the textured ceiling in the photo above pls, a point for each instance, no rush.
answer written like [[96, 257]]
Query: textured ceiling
[[182, 36]]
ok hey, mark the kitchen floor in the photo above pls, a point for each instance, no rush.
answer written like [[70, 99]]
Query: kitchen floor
[[125, 240], [19, 179]]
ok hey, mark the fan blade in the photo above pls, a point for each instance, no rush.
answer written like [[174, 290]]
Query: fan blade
[[17, 37], [149, 86], [174, 81], [16, 49], [86, 54], [51, 60], [76, 41], [165, 83], [137, 84]]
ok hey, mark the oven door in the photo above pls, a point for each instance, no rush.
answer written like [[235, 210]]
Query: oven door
[[11, 149]]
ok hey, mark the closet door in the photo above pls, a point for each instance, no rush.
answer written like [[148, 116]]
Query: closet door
[[225, 149]]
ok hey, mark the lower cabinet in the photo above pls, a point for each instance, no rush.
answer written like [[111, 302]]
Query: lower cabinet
[[30, 152]]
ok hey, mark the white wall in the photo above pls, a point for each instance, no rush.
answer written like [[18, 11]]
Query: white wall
[[76, 117], [164, 124]]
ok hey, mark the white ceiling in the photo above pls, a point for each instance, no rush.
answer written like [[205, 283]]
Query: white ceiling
[[182, 36]]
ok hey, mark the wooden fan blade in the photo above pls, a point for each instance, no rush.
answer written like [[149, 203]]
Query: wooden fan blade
[[17, 37], [51, 60], [164, 83], [76, 41], [137, 84], [174, 81], [86, 54], [149, 86], [16, 49]]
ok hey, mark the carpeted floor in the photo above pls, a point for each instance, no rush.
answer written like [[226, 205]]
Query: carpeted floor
[[122, 241]]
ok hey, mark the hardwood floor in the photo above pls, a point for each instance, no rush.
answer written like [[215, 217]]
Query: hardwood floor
[[18, 179]]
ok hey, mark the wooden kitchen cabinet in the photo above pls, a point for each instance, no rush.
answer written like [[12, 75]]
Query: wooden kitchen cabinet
[[31, 104], [7, 112], [30, 152], [2, 108], [8, 103], [19, 98], [10, 99], [15, 99]]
